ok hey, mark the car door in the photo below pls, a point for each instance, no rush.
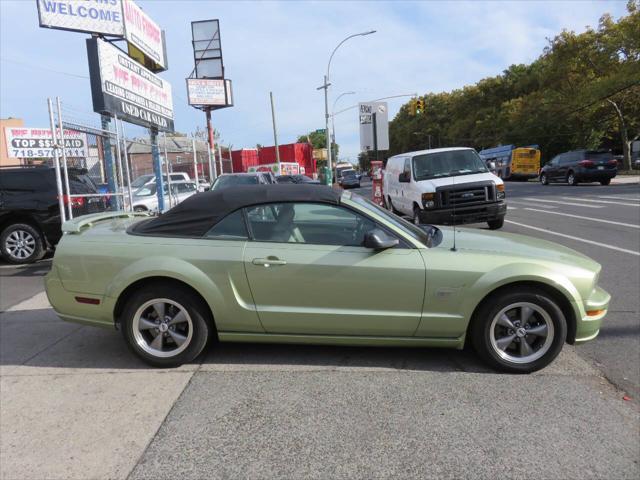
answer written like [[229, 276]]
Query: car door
[[310, 275], [405, 203], [563, 166]]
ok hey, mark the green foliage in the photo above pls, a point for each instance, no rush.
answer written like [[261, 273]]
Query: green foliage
[[582, 92], [317, 139]]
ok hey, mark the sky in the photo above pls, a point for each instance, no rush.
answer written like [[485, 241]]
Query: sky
[[284, 47]]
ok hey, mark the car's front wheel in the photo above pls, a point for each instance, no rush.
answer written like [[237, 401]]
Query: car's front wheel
[[165, 325], [544, 180], [496, 224], [21, 243], [606, 181], [519, 331], [572, 179], [416, 215]]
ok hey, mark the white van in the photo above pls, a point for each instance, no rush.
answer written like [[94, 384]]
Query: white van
[[444, 186]]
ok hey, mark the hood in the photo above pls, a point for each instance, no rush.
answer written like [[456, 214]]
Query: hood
[[518, 246], [433, 183]]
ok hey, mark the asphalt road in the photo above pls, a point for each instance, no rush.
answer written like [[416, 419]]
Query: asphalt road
[[76, 404], [602, 222]]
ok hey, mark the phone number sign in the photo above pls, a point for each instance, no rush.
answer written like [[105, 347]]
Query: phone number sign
[[38, 143]]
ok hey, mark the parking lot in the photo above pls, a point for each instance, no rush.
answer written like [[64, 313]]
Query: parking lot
[[77, 404]]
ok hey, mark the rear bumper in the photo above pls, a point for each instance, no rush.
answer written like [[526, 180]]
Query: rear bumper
[[588, 327], [595, 175], [471, 214], [64, 303]]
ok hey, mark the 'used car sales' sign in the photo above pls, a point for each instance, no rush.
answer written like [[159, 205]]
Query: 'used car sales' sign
[[38, 143], [121, 86]]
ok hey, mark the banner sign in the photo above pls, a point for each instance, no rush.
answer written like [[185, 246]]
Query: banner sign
[[205, 92], [104, 17], [121, 86], [367, 111], [38, 143], [143, 33]]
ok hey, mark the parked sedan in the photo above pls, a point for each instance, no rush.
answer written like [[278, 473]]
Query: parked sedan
[[293, 264], [580, 166], [298, 179], [349, 179]]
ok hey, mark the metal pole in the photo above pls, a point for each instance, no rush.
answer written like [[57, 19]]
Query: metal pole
[[157, 168], [126, 165], [211, 177], [64, 159], [108, 157], [220, 157], [375, 134], [212, 144], [63, 216], [167, 169], [195, 162], [275, 134], [329, 176], [119, 199]]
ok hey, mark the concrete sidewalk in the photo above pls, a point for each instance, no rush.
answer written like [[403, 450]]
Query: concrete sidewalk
[[626, 180], [77, 405]]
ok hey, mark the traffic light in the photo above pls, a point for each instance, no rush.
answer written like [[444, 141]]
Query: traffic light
[[419, 106], [412, 107]]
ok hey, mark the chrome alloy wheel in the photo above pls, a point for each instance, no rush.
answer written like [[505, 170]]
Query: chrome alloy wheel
[[521, 332], [20, 244], [162, 327]]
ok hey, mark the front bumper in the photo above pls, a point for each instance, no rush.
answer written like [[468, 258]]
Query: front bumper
[[469, 214], [588, 327]]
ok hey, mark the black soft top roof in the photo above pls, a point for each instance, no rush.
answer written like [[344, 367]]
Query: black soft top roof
[[197, 214]]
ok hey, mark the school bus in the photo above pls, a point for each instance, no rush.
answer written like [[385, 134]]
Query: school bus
[[514, 163]]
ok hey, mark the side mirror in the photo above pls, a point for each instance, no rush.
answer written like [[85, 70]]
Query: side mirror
[[404, 177], [377, 239], [491, 166]]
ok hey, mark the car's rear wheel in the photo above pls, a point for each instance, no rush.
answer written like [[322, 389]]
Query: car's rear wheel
[[165, 325], [21, 243], [571, 179], [605, 182], [544, 180], [140, 209], [519, 331]]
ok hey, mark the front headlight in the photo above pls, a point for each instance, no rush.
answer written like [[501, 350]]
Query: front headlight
[[500, 193], [428, 200]]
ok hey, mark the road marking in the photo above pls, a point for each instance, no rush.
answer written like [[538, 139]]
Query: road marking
[[518, 202], [602, 201], [565, 203], [632, 199], [611, 247], [630, 225], [511, 207]]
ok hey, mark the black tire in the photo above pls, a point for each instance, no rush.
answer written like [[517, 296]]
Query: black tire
[[140, 209], [21, 243], [481, 335], [198, 314], [572, 179], [605, 182], [544, 180], [416, 215], [392, 208], [496, 224]]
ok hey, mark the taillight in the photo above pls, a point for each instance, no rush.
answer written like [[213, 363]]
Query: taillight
[[587, 163], [612, 162], [75, 201]]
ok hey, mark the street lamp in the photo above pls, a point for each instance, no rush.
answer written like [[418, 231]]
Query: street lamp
[[325, 86], [333, 122]]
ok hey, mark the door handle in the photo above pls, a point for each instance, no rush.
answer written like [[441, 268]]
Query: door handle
[[269, 262]]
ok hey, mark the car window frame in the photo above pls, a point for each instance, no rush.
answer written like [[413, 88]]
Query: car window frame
[[402, 243]]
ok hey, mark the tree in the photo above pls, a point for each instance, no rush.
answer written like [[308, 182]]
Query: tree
[[582, 92]]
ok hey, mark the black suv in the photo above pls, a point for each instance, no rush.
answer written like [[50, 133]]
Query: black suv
[[29, 212], [580, 166]]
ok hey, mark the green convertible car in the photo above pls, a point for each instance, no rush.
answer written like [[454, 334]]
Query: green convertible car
[[294, 264]]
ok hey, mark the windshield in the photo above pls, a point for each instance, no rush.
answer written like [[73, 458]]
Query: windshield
[[229, 180], [447, 164], [140, 181], [417, 233], [348, 173]]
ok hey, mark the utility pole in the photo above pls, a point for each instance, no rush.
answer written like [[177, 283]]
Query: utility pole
[[195, 162], [375, 134], [275, 134], [157, 168]]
